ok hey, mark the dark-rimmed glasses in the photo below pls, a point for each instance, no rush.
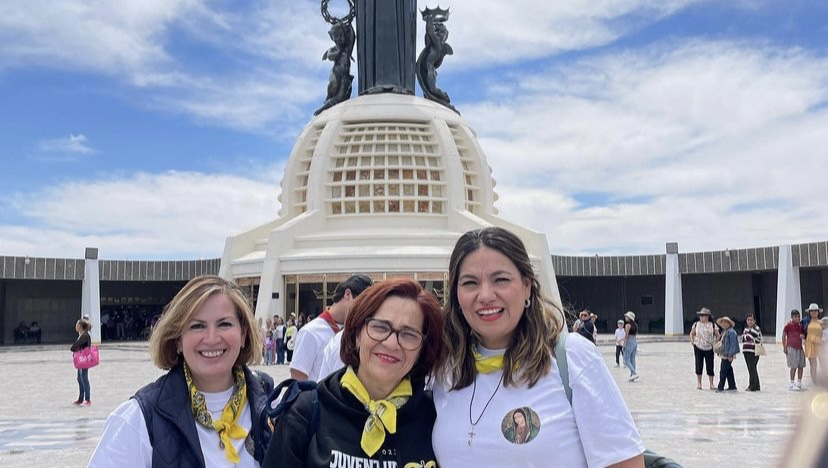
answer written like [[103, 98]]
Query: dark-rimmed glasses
[[380, 330]]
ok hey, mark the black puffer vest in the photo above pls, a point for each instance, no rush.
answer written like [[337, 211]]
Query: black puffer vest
[[165, 404]]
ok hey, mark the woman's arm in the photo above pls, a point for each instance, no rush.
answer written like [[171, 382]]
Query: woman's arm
[[83, 341], [634, 462], [125, 441]]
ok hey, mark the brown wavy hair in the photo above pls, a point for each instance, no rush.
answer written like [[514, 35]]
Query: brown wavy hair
[[177, 314], [367, 304], [529, 355]]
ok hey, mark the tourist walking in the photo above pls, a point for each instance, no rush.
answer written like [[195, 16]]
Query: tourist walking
[[813, 340], [751, 339], [792, 337], [630, 344], [703, 335], [500, 338], [83, 341], [620, 333], [205, 411], [730, 349], [376, 412]]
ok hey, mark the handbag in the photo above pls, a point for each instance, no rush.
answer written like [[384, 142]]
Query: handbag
[[86, 357], [759, 349], [718, 347]]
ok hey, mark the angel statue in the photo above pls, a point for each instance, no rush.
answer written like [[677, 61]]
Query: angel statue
[[431, 57], [343, 35]]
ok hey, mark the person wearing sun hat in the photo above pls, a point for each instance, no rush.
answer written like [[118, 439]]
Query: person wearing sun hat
[[730, 350], [702, 336], [630, 344], [813, 339]]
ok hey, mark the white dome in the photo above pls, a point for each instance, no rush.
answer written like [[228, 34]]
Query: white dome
[[380, 184], [388, 155]]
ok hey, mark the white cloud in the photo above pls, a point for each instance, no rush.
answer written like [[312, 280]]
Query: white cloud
[[171, 214], [264, 58], [72, 145], [487, 32], [713, 142]]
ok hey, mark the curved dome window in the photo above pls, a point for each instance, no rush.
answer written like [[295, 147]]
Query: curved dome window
[[388, 167]]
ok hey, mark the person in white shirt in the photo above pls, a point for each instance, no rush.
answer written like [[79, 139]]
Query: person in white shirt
[[499, 395], [620, 334], [206, 410], [331, 360], [312, 338]]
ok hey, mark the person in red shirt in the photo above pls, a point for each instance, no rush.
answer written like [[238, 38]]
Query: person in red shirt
[[792, 336]]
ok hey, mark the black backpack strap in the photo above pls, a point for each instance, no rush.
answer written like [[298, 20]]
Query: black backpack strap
[[277, 404]]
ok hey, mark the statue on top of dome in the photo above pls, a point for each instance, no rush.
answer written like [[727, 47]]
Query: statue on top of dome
[[431, 57], [386, 49], [341, 54]]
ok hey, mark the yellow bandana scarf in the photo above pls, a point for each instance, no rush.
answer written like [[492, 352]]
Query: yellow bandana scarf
[[382, 414], [227, 426], [487, 365]]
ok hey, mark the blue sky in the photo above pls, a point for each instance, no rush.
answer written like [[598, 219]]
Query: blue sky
[[155, 128]]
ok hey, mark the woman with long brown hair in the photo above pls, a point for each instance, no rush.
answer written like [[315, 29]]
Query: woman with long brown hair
[[500, 337]]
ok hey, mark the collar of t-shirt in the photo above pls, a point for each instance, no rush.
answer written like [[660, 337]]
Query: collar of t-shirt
[[486, 352]]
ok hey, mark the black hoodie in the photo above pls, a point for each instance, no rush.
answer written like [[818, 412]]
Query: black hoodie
[[342, 417]]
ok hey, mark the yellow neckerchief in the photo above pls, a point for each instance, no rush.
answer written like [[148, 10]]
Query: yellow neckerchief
[[487, 364], [382, 414], [227, 427]]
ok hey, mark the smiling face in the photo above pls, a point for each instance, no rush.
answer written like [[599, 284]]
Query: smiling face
[[383, 364], [750, 322], [492, 294], [211, 343]]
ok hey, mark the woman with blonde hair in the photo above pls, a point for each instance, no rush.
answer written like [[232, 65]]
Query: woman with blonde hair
[[500, 336], [205, 410]]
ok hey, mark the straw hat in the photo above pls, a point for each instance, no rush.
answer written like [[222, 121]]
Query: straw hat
[[630, 315], [704, 311], [726, 319], [813, 306]]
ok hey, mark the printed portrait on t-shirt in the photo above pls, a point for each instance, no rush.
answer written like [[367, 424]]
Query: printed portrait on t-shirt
[[520, 425]]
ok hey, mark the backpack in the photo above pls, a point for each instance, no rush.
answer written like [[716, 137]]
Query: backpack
[[651, 459], [276, 407]]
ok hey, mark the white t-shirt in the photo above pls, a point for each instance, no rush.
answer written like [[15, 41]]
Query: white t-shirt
[[125, 441], [620, 333], [331, 362], [555, 429], [310, 341], [279, 332]]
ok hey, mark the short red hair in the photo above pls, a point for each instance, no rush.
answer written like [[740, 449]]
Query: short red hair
[[367, 304]]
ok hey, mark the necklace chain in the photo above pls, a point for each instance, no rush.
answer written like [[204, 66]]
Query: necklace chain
[[474, 422]]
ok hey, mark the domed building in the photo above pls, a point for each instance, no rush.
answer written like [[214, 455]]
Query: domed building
[[382, 184]]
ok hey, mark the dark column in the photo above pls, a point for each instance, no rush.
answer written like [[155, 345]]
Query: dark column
[[386, 45]]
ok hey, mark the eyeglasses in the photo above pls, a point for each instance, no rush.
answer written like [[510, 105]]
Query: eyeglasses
[[380, 330]]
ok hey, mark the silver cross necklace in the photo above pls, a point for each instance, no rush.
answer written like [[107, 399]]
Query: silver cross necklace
[[473, 422]]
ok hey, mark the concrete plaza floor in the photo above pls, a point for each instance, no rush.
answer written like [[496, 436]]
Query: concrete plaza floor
[[39, 426]]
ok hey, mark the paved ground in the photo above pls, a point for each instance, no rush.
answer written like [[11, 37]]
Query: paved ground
[[39, 427]]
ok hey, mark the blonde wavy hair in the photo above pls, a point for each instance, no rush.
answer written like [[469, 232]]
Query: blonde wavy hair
[[177, 314], [529, 355]]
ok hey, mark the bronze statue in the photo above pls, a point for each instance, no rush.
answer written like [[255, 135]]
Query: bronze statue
[[431, 57], [343, 35], [386, 49]]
